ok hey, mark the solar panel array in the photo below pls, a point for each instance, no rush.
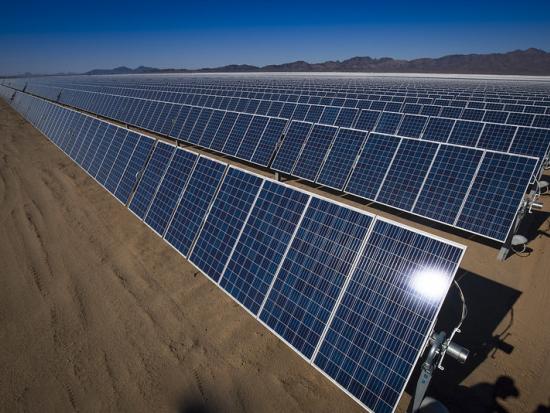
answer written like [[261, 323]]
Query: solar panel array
[[347, 290], [406, 171]]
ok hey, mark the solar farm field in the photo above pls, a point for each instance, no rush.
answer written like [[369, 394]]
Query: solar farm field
[[176, 231]]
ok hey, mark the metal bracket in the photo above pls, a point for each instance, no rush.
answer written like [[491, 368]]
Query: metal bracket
[[440, 346]]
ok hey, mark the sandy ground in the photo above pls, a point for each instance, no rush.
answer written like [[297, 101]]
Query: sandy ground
[[98, 314]]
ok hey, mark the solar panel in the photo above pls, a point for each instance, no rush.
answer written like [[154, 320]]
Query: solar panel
[[223, 131], [251, 137], [485, 213], [118, 136], [211, 128], [290, 148], [263, 243], [388, 122], [406, 174], [312, 274], [372, 165], [386, 313], [237, 134], [265, 149], [341, 158], [496, 137], [194, 203], [447, 183], [438, 129], [121, 161], [412, 126], [152, 175], [313, 152], [169, 190], [367, 120], [224, 222], [466, 133], [200, 125], [531, 141], [133, 169]]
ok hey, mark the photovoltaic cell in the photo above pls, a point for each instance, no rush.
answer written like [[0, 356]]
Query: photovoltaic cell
[[531, 141], [133, 169], [224, 222], [152, 175], [314, 151], [386, 314], [169, 190], [292, 144], [211, 128], [223, 131], [237, 134], [341, 157], [438, 129], [121, 162], [466, 133], [110, 157], [252, 137], [447, 183], [367, 120], [268, 142], [372, 165], [262, 244], [496, 137], [193, 206], [490, 215], [313, 272], [388, 122], [412, 126], [406, 174]]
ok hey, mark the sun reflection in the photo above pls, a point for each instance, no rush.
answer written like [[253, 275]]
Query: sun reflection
[[431, 283]]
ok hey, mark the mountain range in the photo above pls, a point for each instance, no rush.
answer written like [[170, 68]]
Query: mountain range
[[519, 62]]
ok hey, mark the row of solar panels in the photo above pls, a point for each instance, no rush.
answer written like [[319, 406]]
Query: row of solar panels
[[536, 116], [537, 95], [445, 183], [504, 138], [347, 290]]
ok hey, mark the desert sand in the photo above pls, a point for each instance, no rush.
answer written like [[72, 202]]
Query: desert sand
[[97, 313]]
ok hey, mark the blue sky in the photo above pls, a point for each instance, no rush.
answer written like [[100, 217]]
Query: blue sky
[[48, 37]]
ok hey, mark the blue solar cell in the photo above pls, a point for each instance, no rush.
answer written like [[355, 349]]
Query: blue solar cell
[[193, 206], [152, 175], [412, 108], [224, 222], [524, 119], [373, 163], [412, 126], [430, 110], [185, 131], [121, 161], [451, 112], [165, 127], [472, 114], [300, 112], [223, 131], [490, 215], [330, 113], [134, 168], [265, 149], [287, 110], [438, 129], [292, 145], [542, 121], [346, 117], [196, 134], [386, 314], [314, 113], [110, 155], [313, 153], [341, 158], [252, 137], [178, 121], [447, 183], [496, 137], [532, 142], [237, 134], [94, 145], [406, 173], [466, 133], [367, 120], [495, 116], [102, 149], [275, 109], [169, 190], [388, 122], [262, 244], [312, 274], [211, 128]]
